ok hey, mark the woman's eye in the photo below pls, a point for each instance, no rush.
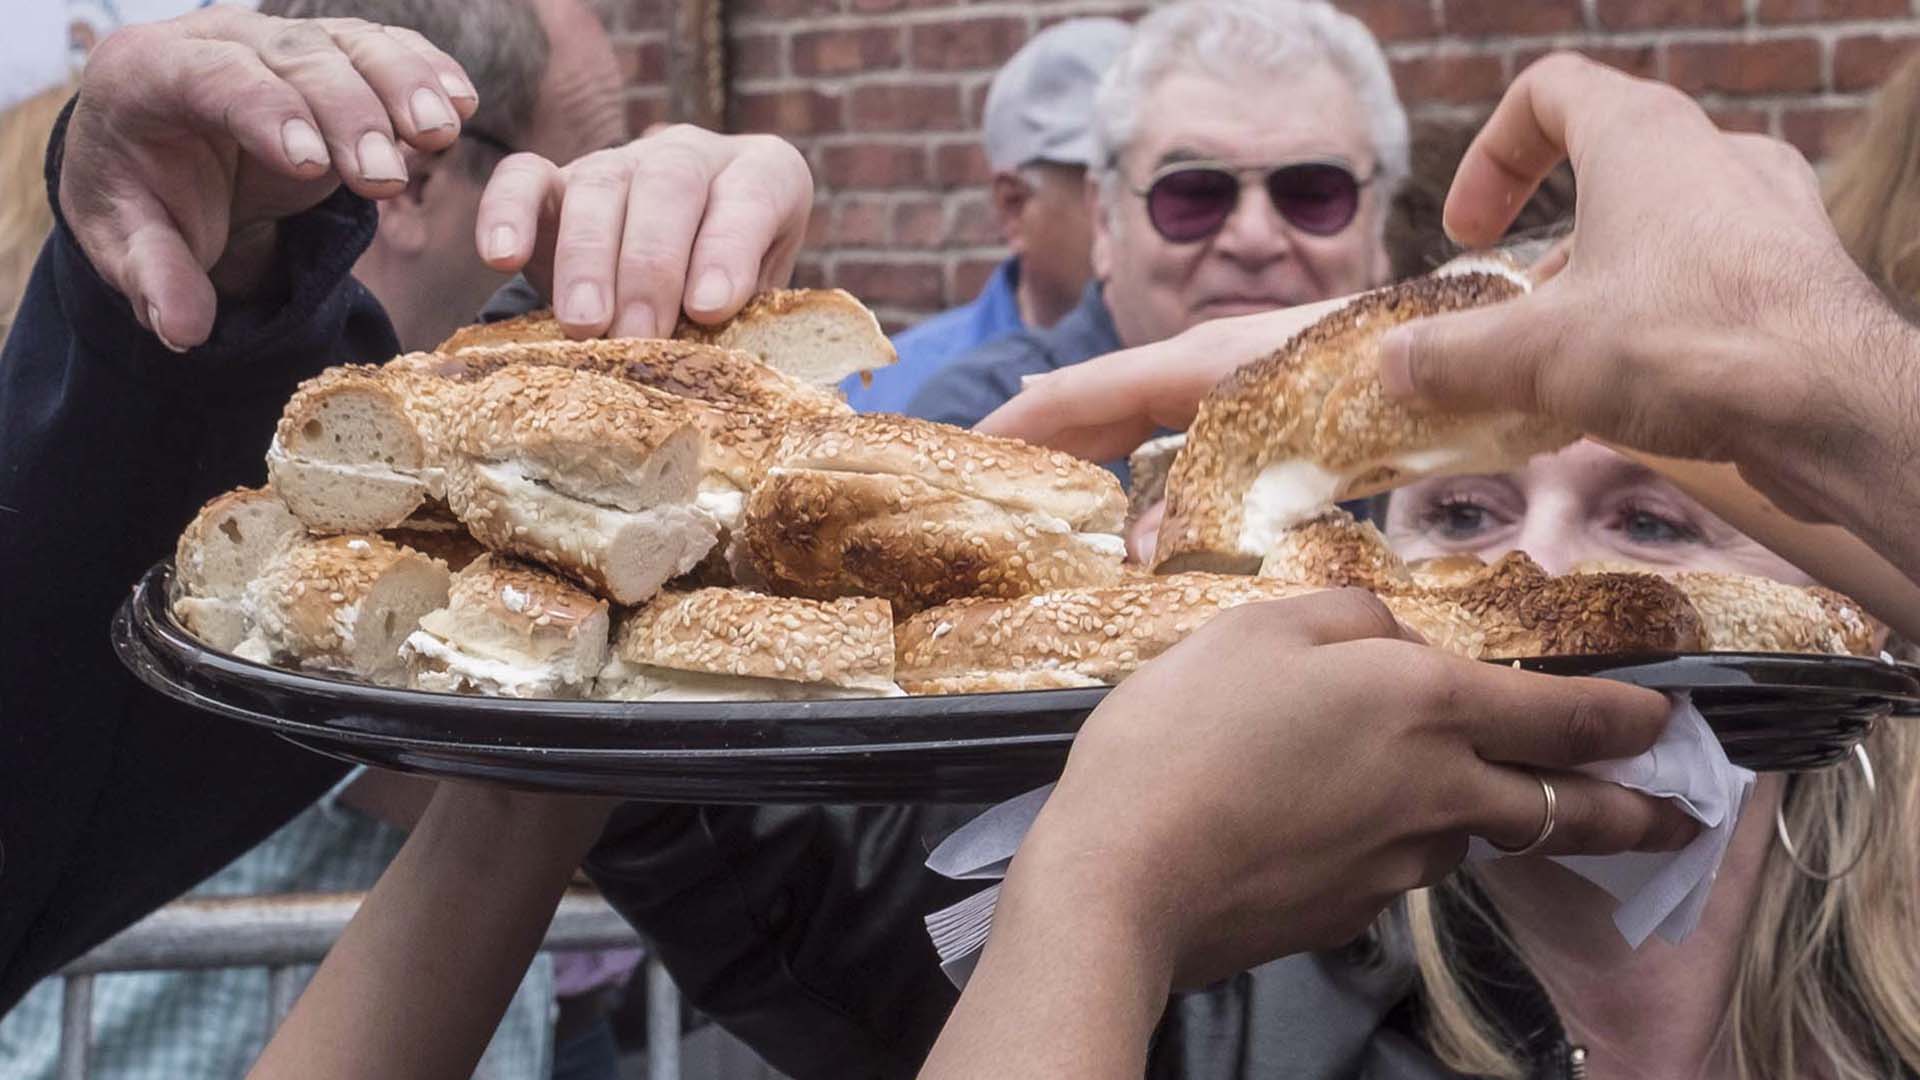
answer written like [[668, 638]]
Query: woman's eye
[[1459, 520], [1645, 527]]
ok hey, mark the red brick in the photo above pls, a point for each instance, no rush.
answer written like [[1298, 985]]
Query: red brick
[[914, 285], [974, 224], [787, 112], [870, 165], [810, 272], [920, 223], [1641, 60], [642, 61], [1455, 79], [911, 107], [845, 52], [1782, 11], [1493, 18], [961, 46], [1817, 131], [644, 112], [1395, 20], [819, 225], [1745, 67], [960, 165], [1660, 14], [778, 9], [970, 276], [1863, 63], [977, 104], [642, 15], [1742, 118], [859, 223], [756, 56]]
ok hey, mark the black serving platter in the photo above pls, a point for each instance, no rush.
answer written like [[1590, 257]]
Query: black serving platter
[[1772, 712]]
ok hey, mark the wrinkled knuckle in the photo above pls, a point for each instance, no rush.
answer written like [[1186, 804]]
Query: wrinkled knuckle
[[650, 267], [1368, 612], [1585, 727], [296, 40]]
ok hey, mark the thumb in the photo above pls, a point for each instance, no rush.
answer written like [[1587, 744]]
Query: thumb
[[1484, 359]]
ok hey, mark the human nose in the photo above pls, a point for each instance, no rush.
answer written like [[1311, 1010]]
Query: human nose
[[1556, 543], [1255, 232]]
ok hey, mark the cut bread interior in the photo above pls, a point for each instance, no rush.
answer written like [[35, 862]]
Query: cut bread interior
[[1293, 432], [222, 549], [733, 645], [1065, 638], [819, 336], [510, 629], [585, 474], [342, 604], [359, 449]]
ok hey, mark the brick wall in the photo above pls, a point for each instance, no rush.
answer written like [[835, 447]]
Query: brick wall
[[884, 96]]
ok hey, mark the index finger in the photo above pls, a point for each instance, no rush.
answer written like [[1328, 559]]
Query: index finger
[[1555, 721], [1539, 123], [1104, 408]]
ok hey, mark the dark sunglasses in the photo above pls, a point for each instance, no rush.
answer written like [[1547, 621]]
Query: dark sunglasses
[[1188, 201]]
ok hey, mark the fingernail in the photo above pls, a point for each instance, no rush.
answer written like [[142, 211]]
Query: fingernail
[[303, 144], [458, 88], [1396, 374], [153, 323], [637, 320], [430, 113], [502, 242], [712, 291], [379, 162], [583, 304]]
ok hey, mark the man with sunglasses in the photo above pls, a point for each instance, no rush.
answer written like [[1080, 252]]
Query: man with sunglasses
[[1248, 151]]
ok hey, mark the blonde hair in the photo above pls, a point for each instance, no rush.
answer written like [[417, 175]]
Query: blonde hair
[[1828, 982], [1873, 186], [25, 217]]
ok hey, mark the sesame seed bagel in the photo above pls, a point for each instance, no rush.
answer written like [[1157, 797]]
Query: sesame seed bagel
[[1067, 637], [510, 629], [341, 604], [1310, 424], [819, 336], [734, 642], [1746, 613], [586, 474], [824, 534], [682, 368]]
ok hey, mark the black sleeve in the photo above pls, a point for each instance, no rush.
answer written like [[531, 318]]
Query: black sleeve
[[799, 929], [114, 800]]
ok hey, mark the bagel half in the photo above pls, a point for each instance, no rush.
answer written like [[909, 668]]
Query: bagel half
[[1292, 433]]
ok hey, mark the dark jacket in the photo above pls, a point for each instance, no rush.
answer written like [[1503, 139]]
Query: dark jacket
[[114, 800]]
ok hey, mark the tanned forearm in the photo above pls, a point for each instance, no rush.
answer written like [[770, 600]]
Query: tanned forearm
[[416, 985], [1070, 986]]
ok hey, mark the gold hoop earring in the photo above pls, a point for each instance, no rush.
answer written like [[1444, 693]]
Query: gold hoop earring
[[1859, 852]]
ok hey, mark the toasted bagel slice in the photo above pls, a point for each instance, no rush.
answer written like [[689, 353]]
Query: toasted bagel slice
[[1292, 433]]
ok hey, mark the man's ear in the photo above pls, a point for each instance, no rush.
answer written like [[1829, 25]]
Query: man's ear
[[1009, 194], [1100, 212], [404, 229]]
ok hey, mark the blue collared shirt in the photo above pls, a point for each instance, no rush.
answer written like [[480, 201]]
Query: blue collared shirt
[[928, 347]]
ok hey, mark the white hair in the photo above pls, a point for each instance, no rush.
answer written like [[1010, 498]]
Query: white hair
[[1244, 41]]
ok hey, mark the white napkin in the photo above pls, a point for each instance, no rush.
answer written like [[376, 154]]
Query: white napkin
[[1663, 891]]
